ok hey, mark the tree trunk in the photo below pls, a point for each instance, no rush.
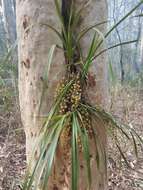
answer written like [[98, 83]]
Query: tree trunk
[[9, 21], [3, 46], [97, 92], [34, 44]]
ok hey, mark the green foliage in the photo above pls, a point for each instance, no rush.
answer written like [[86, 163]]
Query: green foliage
[[7, 70], [137, 80], [46, 74], [6, 66], [6, 98], [56, 122], [112, 75]]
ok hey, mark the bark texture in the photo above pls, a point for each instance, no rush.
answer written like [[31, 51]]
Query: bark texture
[[96, 92], [34, 43], [95, 12]]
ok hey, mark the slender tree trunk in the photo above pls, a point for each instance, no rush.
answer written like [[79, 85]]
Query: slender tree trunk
[[135, 59], [3, 46], [34, 43], [121, 47], [9, 21]]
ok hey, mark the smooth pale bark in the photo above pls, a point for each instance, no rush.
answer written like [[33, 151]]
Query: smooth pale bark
[[96, 92], [34, 44], [96, 12]]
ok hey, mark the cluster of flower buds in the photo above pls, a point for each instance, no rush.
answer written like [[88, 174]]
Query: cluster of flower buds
[[75, 94], [86, 121], [72, 98], [70, 102]]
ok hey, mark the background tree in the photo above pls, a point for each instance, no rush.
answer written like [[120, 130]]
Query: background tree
[[122, 63], [2, 36], [8, 54], [8, 7]]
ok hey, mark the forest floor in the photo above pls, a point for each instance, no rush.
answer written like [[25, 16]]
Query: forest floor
[[127, 105]]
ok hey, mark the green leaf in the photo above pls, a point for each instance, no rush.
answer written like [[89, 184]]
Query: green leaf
[[103, 116], [120, 21], [140, 15], [58, 9], [54, 30], [50, 58], [86, 147], [46, 74], [47, 149], [75, 164], [112, 74], [77, 14], [92, 51], [112, 47], [89, 56], [87, 29], [135, 145], [51, 154], [123, 156], [131, 129], [29, 182], [57, 102]]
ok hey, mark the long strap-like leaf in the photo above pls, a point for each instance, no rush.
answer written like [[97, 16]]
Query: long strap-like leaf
[[120, 21], [51, 154], [85, 147], [75, 164]]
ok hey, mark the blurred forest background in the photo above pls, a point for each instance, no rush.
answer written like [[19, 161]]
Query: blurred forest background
[[125, 71], [125, 63]]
